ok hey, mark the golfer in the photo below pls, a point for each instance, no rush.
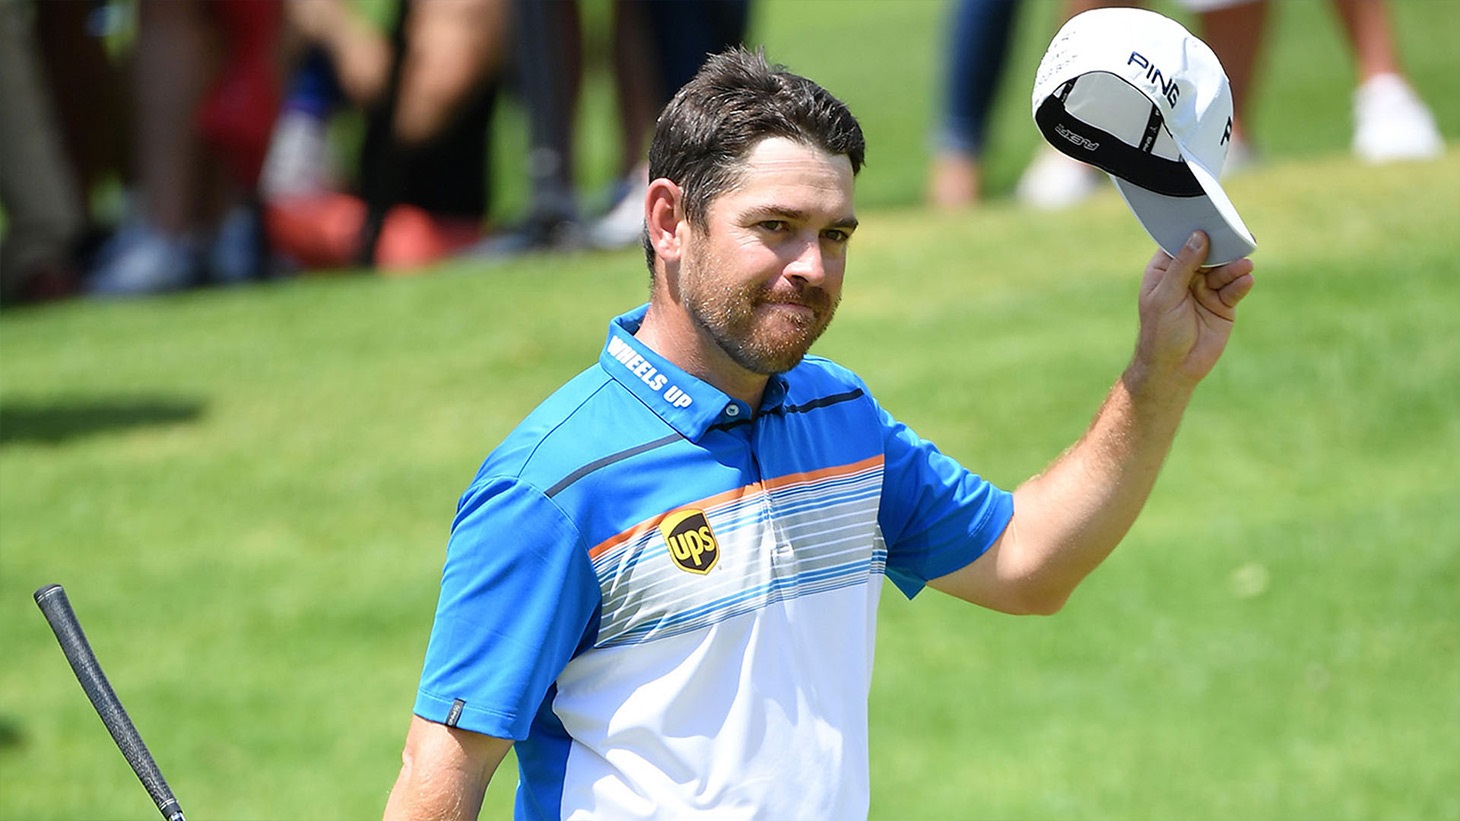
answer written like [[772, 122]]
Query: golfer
[[662, 586]]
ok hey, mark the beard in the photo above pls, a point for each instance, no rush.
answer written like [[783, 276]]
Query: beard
[[748, 321]]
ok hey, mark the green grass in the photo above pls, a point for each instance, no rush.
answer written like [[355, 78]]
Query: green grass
[[247, 493]]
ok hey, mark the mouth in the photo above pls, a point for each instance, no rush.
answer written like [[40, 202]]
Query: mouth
[[799, 308], [806, 304], [792, 314]]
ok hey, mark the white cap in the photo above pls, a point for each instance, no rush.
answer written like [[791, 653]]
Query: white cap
[[1135, 94]]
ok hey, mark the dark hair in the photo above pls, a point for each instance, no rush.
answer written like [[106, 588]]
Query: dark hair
[[736, 100]]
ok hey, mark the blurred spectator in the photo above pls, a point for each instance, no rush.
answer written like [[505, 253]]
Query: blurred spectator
[[1391, 122], [302, 158], [657, 46], [976, 53], [206, 89], [639, 85], [682, 35], [92, 103], [547, 45], [428, 89], [45, 213]]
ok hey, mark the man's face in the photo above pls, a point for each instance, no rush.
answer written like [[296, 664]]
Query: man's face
[[763, 275]]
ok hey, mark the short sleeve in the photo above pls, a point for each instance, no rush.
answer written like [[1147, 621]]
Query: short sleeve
[[936, 516], [518, 600]]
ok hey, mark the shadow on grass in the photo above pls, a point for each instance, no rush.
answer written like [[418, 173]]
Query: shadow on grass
[[11, 736], [56, 422]]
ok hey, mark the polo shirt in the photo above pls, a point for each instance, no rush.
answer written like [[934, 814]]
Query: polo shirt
[[668, 599]]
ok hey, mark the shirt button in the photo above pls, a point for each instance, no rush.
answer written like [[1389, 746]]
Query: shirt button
[[732, 409]]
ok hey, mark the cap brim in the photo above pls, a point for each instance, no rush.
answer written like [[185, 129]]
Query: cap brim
[[1171, 220]]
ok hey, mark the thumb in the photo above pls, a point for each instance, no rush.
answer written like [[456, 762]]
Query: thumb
[[1172, 282]]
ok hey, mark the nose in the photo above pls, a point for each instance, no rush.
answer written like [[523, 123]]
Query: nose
[[810, 264]]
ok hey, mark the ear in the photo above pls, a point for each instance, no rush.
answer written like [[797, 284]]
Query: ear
[[664, 218]]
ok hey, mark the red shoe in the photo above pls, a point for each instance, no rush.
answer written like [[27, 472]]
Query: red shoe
[[316, 230], [322, 231], [412, 237]]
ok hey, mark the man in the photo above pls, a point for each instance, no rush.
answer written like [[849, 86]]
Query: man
[[662, 587]]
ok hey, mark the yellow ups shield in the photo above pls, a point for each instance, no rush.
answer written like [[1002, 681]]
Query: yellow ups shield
[[691, 543]]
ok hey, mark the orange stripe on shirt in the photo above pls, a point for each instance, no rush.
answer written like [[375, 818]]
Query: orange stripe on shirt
[[649, 525], [823, 473]]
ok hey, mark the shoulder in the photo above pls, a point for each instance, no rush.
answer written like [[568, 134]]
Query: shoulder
[[589, 417], [818, 382], [817, 375]]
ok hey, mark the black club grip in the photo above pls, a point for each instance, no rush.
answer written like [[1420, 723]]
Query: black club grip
[[57, 609]]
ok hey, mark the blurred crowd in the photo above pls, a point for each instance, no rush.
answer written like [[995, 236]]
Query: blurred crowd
[[149, 146], [242, 140], [1390, 121]]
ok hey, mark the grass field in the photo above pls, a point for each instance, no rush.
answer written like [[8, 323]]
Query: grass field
[[247, 492]]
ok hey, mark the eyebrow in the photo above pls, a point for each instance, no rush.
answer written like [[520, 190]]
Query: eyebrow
[[847, 224]]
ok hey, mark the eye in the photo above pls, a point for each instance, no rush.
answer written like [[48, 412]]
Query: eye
[[774, 226], [837, 235]]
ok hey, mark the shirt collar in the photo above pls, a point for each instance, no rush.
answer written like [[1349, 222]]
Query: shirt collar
[[686, 403]]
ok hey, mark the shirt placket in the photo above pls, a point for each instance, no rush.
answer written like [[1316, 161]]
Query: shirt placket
[[775, 543]]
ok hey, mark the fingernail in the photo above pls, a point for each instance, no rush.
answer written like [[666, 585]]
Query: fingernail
[[1194, 241]]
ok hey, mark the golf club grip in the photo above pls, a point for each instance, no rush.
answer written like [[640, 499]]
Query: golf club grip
[[57, 609]]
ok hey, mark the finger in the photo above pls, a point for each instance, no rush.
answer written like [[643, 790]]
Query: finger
[[1234, 291], [1220, 294], [1220, 276], [1230, 282], [1176, 279]]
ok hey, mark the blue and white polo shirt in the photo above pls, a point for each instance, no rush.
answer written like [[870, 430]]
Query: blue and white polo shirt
[[668, 599]]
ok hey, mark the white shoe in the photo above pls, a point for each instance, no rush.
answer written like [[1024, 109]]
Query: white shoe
[[1241, 157], [1054, 181], [1391, 122], [301, 159], [140, 261], [623, 225]]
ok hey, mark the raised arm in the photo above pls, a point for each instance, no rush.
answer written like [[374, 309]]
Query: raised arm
[[444, 773], [1068, 518]]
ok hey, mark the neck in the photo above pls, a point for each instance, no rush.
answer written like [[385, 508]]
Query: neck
[[671, 335]]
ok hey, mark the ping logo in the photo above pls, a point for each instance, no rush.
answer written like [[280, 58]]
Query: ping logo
[[692, 544], [1167, 88]]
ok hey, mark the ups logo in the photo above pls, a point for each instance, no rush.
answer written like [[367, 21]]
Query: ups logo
[[691, 543]]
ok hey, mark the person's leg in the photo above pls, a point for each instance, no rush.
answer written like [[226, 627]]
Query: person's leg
[[636, 82], [87, 90], [1054, 180], [174, 60], [452, 48], [1370, 35], [424, 150], [688, 31], [1391, 122], [1235, 30], [639, 87], [976, 55], [359, 51], [549, 49], [1235, 33], [37, 187]]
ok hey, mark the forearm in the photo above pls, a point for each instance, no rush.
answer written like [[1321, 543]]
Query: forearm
[[417, 799], [444, 773], [1069, 518]]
